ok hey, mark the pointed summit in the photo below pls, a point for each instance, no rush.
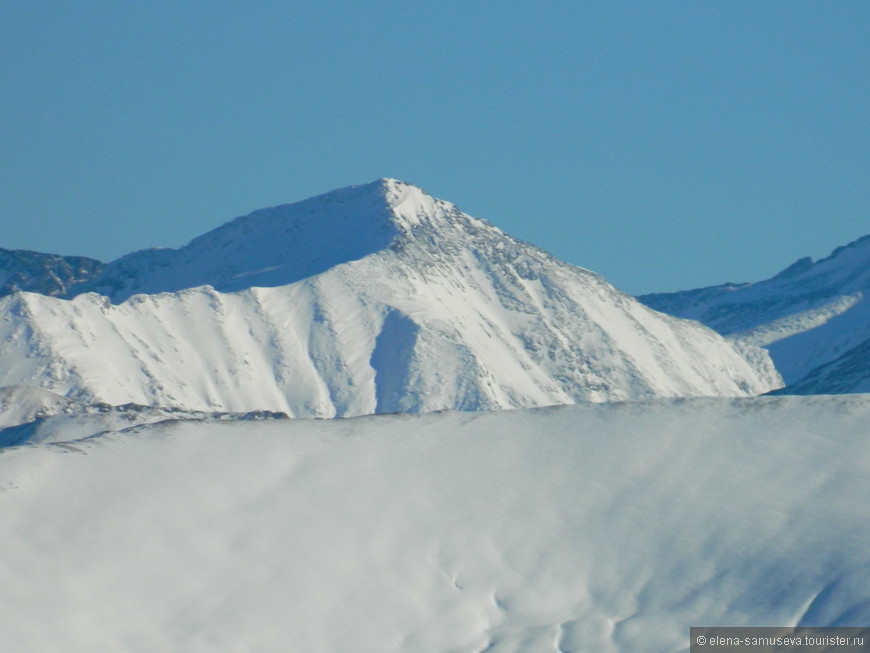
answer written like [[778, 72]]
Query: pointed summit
[[410, 204], [267, 248], [375, 298], [287, 243]]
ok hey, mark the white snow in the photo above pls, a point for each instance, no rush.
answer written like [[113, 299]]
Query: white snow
[[381, 299], [269, 247], [21, 404], [590, 528], [807, 316], [797, 355], [779, 329]]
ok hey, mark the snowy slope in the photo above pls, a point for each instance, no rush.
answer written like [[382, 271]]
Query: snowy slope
[[807, 315], [48, 274], [21, 404], [420, 308], [270, 247], [582, 529], [848, 373], [33, 416]]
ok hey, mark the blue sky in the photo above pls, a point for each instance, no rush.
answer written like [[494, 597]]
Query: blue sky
[[665, 145]]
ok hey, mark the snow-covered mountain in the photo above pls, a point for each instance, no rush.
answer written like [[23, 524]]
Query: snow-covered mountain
[[581, 529], [846, 374], [376, 298], [808, 316], [48, 274], [274, 247]]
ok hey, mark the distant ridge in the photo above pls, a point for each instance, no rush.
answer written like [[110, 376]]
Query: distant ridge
[[47, 274], [813, 317]]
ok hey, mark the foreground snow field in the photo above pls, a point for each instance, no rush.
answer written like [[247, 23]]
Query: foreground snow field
[[593, 528]]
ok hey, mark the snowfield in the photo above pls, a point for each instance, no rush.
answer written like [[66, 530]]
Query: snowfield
[[590, 528], [151, 501]]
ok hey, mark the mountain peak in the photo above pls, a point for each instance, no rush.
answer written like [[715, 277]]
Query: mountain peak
[[411, 205], [372, 298], [268, 247], [287, 243]]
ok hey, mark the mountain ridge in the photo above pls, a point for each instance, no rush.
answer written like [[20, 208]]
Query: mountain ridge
[[268, 247], [48, 274], [808, 315], [412, 306]]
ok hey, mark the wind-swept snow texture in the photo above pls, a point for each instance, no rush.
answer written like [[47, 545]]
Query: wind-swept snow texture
[[807, 316], [379, 299], [580, 529]]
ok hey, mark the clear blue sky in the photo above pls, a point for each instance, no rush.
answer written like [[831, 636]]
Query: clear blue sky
[[665, 145]]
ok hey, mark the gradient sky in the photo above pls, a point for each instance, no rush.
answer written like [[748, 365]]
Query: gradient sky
[[665, 145]]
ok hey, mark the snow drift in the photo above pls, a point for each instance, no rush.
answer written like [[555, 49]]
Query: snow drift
[[582, 529]]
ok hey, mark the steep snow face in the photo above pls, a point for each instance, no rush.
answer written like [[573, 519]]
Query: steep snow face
[[584, 529], [450, 313], [49, 274], [807, 315]]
